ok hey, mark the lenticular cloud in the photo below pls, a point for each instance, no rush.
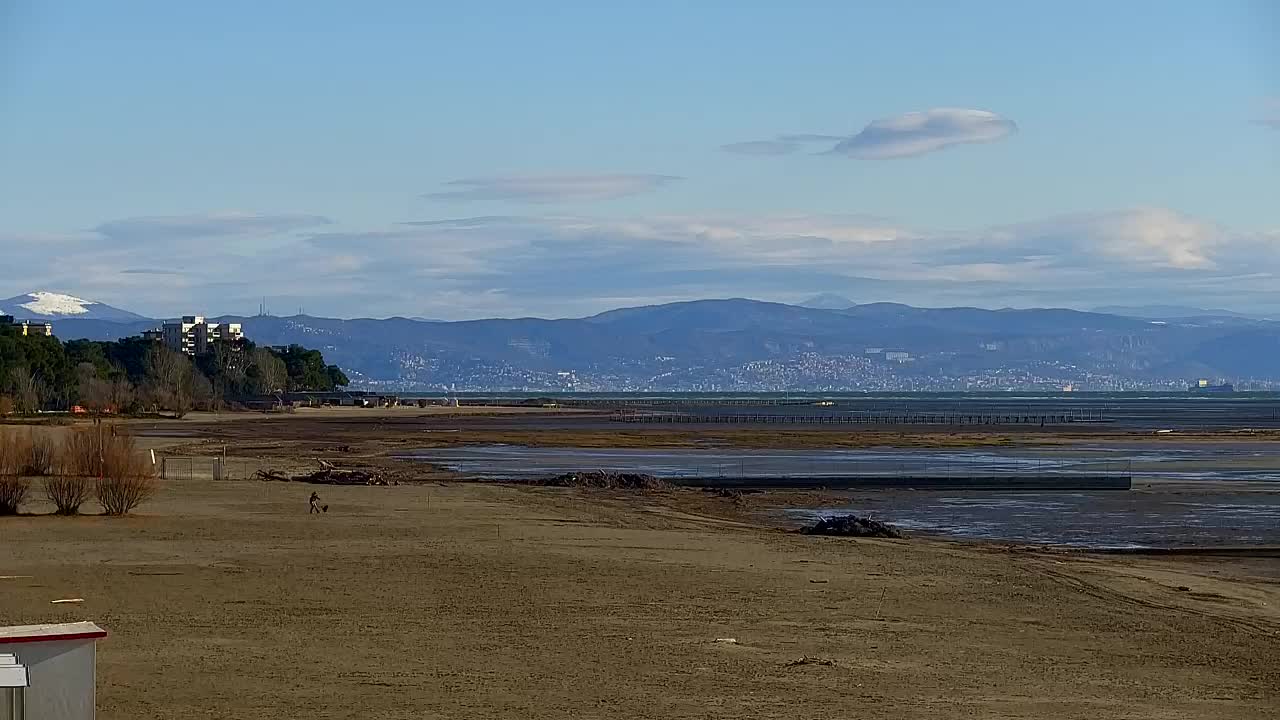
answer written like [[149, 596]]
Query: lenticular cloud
[[917, 133]]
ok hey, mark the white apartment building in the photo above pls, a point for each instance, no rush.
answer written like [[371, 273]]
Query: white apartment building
[[193, 335]]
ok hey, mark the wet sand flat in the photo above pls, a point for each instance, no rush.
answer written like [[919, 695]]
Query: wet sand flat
[[471, 601]]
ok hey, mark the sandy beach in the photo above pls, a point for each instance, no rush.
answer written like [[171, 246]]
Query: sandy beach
[[459, 600]]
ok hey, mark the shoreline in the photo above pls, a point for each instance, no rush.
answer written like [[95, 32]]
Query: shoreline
[[473, 599]]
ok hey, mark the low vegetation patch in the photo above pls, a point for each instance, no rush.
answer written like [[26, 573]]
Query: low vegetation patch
[[68, 493], [91, 462], [125, 479], [14, 455], [42, 454]]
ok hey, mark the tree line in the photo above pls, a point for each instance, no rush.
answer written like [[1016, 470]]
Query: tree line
[[136, 375]]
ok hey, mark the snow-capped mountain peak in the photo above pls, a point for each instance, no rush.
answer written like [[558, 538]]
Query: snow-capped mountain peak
[[52, 306], [47, 303]]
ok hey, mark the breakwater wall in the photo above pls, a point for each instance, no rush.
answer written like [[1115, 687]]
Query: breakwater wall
[[998, 482]]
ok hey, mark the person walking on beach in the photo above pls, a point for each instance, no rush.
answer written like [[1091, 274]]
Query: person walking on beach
[[315, 503]]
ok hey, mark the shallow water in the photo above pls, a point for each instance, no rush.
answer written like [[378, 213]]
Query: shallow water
[[1203, 463], [1093, 520], [1208, 515]]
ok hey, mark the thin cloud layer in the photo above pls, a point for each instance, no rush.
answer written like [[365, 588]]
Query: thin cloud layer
[[571, 264], [552, 188], [160, 228], [1270, 115], [900, 136], [782, 145], [1147, 241], [150, 271], [810, 138], [761, 147]]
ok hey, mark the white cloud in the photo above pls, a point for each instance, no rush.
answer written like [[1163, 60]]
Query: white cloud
[[916, 133], [1141, 237], [576, 264], [553, 188]]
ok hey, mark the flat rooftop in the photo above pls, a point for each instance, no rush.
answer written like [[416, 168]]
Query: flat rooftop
[[49, 633]]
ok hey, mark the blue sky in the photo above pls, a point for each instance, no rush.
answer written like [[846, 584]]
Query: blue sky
[[475, 159]]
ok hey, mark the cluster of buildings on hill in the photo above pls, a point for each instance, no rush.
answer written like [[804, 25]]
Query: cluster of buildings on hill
[[27, 327], [193, 335], [189, 334]]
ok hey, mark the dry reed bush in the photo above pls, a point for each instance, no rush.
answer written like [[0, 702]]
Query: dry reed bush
[[127, 479], [100, 458], [14, 454], [82, 452], [68, 492], [42, 454], [81, 463], [13, 490]]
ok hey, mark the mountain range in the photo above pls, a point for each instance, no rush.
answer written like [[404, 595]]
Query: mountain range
[[828, 301], [1171, 312], [739, 344], [49, 306]]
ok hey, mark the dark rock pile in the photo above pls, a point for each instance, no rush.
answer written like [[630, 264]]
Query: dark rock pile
[[852, 526], [604, 480], [327, 476]]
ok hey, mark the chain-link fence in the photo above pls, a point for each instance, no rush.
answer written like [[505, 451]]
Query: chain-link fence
[[218, 467]]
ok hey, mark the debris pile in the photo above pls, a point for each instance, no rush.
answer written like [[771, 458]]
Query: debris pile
[[733, 494], [605, 480], [852, 526], [327, 476], [807, 660], [331, 476]]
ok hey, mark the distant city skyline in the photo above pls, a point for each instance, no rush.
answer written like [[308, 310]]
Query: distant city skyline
[[505, 159]]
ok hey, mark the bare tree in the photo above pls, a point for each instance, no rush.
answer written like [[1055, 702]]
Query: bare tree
[[92, 392], [171, 376], [203, 394], [122, 394], [272, 374], [232, 367], [27, 390]]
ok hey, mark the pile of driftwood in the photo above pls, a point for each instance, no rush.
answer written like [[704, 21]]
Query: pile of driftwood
[[604, 480], [326, 476], [852, 526]]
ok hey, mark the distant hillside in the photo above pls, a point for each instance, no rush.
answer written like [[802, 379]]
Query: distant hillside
[[740, 344], [1168, 312], [41, 305], [828, 301]]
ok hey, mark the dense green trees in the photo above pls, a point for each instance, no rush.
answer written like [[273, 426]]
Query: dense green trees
[[307, 371], [134, 374]]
